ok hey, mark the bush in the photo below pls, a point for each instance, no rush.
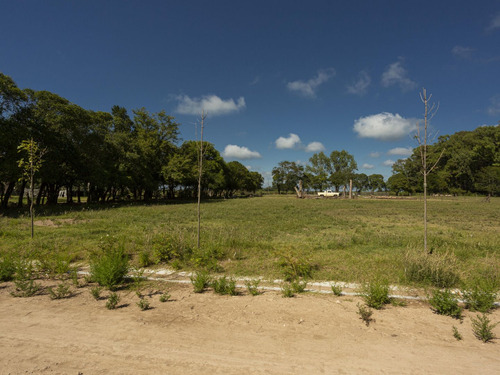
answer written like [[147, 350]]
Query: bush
[[96, 292], [208, 257], [480, 296], [365, 314], [253, 287], [483, 328], [62, 291], [444, 302], [287, 290], [25, 286], [298, 286], [200, 280], [164, 297], [376, 294], [224, 285], [292, 267], [112, 302], [167, 247], [438, 270], [144, 259], [55, 265], [336, 290], [143, 304], [108, 269]]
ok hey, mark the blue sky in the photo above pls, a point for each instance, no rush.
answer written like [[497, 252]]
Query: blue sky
[[280, 80]]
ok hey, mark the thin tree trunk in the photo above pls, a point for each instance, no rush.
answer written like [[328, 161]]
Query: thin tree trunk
[[200, 172]]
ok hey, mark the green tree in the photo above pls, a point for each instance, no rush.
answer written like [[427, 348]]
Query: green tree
[[287, 175], [344, 166], [376, 182], [319, 169]]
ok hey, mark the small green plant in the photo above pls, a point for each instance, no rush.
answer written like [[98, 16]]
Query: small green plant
[[112, 301], [144, 259], [253, 287], [7, 268], [438, 270], [73, 274], [457, 334], [398, 302], [25, 286], [55, 265], [287, 290], [223, 285], [376, 294], [444, 302], [109, 268], [143, 304], [480, 296], [95, 291], [294, 267], [365, 314], [482, 328], [62, 291], [138, 279], [164, 297], [336, 290], [200, 280], [298, 286]]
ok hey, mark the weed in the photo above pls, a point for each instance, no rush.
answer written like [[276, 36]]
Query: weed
[[138, 279], [164, 297], [200, 280], [398, 302], [109, 268], [112, 301], [293, 267], [253, 287], [73, 274], [7, 268], [439, 270], [287, 290], [482, 328], [480, 296], [144, 259], [457, 334], [24, 283], [224, 285], [365, 314], [95, 291], [444, 302], [62, 291], [336, 290], [143, 304], [376, 294], [55, 264], [298, 286], [208, 257]]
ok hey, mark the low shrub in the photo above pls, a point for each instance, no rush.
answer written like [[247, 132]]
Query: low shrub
[[294, 267], [336, 290], [112, 301], [95, 291], [438, 270], [365, 314], [200, 280], [7, 267], [376, 294], [287, 290], [25, 285], [144, 259], [207, 257], [223, 285], [164, 297], [55, 265], [444, 302], [109, 268], [482, 328], [62, 291], [143, 304], [298, 286], [480, 295], [253, 287]]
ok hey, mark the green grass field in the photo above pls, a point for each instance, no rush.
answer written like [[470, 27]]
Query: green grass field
[[345, 240]]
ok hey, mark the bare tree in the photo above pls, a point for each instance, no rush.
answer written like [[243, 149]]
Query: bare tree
[[200, 172], [430, 111]]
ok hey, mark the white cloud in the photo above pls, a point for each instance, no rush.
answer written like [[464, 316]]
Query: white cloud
[[238, 152], [384, 126], [361, 85], [309, 87], [462, 52], [292, 141], [389, 162], [315, 147], [397, 75], [403, 151], [374, 154], [495, 22], [211, 104], [494, 108], [368, 166]]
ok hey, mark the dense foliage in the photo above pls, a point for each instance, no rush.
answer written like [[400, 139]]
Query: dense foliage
[[105, 156]]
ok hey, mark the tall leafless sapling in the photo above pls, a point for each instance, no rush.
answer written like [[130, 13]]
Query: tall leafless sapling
[[200, 172], [430, 110]]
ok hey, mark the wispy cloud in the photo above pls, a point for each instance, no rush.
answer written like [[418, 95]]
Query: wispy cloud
[[495, 22], [292, 141], [384, 126], [360, 86], [367, 166], [396, 74], [389, 162], [374, 154], [403, 151], [211, 104], [239, 152], [462, 52], [494, 108], [309, 88], [315, 147]]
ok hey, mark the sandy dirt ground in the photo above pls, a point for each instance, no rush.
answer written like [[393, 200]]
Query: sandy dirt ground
[[211, 334]]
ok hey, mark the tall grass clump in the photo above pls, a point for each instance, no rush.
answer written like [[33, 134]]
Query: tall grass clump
[[482, 328], [109, 268], [200, 280], [24, 282], [293, 267], [376, 293], [480, 295], [444, 302], [7, 267], [438, 270], [223, 285]]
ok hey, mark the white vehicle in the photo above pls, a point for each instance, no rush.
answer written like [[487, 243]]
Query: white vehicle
[[328, 193]]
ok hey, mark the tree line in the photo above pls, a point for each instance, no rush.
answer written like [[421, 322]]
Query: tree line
[[106, 155], [467, 162]]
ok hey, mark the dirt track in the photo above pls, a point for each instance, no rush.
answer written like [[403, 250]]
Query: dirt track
[[211, 334]]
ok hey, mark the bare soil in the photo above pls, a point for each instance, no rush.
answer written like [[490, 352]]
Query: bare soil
[[212, 334]]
